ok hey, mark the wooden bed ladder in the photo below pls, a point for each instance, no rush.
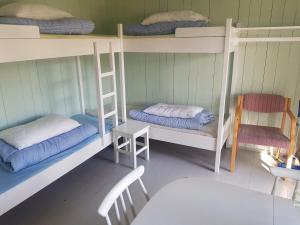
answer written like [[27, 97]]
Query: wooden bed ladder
[[101, 96]]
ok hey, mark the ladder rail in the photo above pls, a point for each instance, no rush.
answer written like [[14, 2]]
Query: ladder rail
[[113, 69], [102, 115], [99, 91]]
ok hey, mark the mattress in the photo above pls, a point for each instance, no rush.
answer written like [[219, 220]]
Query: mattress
[[9, 180], [195, 123], [161, 28], [60, 26], [209, 130]]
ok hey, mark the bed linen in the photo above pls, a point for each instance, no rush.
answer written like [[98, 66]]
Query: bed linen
[[14, 160], [59, 26], [195, 123], [161, 28], [171, 110], [33, 11], [179, 15], [9, 180], [39, 130]]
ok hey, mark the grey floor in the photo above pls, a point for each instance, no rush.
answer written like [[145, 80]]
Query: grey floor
[[74, 198]]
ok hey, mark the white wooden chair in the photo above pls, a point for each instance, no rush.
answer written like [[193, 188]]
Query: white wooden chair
[[287, 173], [117, 192]]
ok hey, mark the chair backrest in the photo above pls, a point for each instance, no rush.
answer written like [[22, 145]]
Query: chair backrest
[[265, 103], [117, 192], [293, 174]]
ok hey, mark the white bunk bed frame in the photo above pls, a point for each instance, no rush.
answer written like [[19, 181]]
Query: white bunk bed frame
[[14, 50], [212, 40], [207, 40]]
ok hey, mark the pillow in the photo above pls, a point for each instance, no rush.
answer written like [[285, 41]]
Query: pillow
[[26, 135], [183, 15], [180, 111], [33, 11]]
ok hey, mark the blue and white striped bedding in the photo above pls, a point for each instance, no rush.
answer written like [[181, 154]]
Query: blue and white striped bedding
[[161, 28], [59, 26], [195, 123], [14, 160]]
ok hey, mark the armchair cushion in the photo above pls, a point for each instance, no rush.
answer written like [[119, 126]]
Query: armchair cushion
[[262, 135]]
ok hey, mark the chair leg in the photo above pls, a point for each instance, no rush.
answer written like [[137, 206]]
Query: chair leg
[[234, 150], [289, 159]]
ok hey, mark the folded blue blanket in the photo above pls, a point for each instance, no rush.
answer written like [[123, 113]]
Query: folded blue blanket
[[160, 28], [14, 160], [195, 123], [59, 26]]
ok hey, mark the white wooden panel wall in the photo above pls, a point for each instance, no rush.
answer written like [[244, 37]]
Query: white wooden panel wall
[[178, 78]]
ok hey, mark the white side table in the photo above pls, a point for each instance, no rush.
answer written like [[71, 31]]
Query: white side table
[[129, 132]]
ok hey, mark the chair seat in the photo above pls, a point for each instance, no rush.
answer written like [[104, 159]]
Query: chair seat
[[262, 135]]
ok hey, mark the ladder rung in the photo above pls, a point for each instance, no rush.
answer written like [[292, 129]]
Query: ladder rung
[[110, 114], [108, 95], [107, 74]]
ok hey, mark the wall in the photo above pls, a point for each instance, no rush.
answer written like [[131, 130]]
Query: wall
[[178, 78]]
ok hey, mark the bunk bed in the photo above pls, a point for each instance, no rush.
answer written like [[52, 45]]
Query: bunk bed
[[17, 187], [194, 40]]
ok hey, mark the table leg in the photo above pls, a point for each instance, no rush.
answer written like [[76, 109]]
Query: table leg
[[147, 152], [116, 150], [133, 152]]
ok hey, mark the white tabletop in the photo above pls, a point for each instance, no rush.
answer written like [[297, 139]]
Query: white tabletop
[[196, 201], [131, 127]]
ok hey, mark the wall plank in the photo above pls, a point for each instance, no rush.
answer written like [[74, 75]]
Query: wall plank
[[50, 85]]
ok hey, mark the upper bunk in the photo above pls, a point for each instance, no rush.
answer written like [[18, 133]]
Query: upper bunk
[[22, 43], [185, 40]]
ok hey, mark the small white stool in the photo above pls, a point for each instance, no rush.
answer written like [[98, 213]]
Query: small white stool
[[130, 132]]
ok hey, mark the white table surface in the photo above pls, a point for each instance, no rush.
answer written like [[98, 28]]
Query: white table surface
[[196, 201]]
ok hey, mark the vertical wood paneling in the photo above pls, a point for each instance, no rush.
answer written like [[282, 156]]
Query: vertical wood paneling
[[50, 85]]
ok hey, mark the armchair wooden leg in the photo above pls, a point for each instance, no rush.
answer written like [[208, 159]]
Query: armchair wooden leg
[[234, 150], [290, 155]]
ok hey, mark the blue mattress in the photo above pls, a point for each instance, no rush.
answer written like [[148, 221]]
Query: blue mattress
[[195, 123], [60, 26], [9, 180], [161, 28]]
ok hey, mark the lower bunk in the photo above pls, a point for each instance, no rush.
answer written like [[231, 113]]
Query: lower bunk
[[17, 187], [205, 138]]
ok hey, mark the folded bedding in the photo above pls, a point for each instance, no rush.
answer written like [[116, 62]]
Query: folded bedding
[[15, 160], [39, 130], [170, 110], [201, 119], [171, 16], [33, 11], [55, 26], [161, 28]]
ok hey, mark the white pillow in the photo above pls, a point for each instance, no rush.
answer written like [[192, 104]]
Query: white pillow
[[33, 11], [180, 111], [183, 15], [26, 135]]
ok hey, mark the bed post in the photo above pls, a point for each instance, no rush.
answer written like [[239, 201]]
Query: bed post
[[80, 85], [122, 74], [223, 94]]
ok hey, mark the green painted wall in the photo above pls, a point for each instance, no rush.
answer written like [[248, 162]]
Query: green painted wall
[[33, 88]]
